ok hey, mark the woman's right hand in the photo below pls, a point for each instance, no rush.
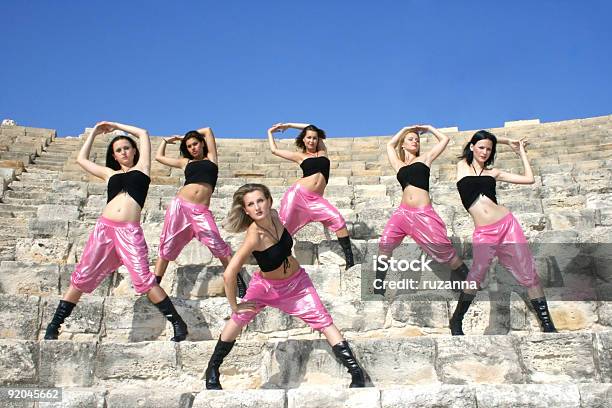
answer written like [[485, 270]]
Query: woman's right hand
[[173, 139], [279, 127], [243, 307]]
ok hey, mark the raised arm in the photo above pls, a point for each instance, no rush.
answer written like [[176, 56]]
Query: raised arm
[[161, 157], [527, 177], [395, 161], [144, 143], [211, 143], [233, 268], [439, 147], [298, 126], [285, 154], [102, 172]]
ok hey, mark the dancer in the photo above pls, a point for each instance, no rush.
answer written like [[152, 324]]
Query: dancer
[[281, 282], [303, 202], [117, 238], [497, 232], [415, 216], [188, 215]]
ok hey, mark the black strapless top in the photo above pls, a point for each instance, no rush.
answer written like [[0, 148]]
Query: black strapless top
[[472, 187], [415, 174], [134, 182], [314, 165], [274, 256], [201, 171]]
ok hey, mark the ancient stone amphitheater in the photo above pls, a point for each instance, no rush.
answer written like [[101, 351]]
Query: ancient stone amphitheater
[[114, 350]]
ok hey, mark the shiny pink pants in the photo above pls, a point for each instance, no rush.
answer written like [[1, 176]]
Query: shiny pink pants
[[295, 296], [300, 206], [424, 226], [183, 222], [504, 239], [110, 245]]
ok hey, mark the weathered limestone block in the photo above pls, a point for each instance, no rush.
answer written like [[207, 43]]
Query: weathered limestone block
[[333, 397], [83, 323], [245, 367], [474, 360], [194, 253], [558, 358], [67, 363], [326, 278], [271, 320], [198, 282], [354, 315], [527, 396], [568, 315], [152, 398], [604, 311], [58, 212], [603, 353], [78, 398], [304, 252], [433, 314], [144, 360], [205, 318], [28, 278], [18, 362], [42, 250], [595, 395], [429, 396], [240, 398], [19, 317], [132, 319], [573, 219], [371, 223], [48, 228], [330, 252]]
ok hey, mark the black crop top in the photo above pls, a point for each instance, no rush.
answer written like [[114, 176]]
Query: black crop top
[[314, 165], [414, 175], [201, 171], [276, 255], [472, 187], [134, 182]]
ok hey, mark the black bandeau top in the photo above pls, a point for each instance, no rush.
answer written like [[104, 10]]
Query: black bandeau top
[[276, 255], [472, 187], [201, 171], [134, 182], [314, 165], [415, 174]]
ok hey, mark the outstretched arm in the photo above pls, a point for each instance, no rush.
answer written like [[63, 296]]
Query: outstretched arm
[[298, 126], [161, 157], [285, 154], [82, 160], [211, 143], [233, 268], [527, 177], [439, 147], [395, 161]]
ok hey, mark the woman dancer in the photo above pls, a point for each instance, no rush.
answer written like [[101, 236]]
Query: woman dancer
[[188, 215], [303, 202], [281, 282], [497, 232], [117, 238], [415, 216]]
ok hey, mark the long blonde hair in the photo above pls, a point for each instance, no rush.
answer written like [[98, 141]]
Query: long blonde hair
[[400, 150], [237, 220]]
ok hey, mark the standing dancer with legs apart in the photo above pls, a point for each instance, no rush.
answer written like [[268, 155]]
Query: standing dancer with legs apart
[[497, 232], [280, 283], [117, 238], [188, 215], [416, 217], [303, 202]]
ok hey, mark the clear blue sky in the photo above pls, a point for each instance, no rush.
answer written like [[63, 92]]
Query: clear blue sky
[[354, 68]]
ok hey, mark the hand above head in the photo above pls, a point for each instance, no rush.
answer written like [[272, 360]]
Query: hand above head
[[518, 146], [279, 127], [106, 127], [173, 138]]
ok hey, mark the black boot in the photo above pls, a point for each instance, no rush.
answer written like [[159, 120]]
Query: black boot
[[541, 308], [380, 278], [62, 312], [180, 327], [343, 352], [222, 349], [459, 275], [456, 322], [241, 285], [345, 243]]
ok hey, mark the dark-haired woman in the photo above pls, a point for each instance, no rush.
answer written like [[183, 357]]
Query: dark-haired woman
[[303, 202], [415, 216], [497, 232], [188, 214], [280, 283], [117, 238]]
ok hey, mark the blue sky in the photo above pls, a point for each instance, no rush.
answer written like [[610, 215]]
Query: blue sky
[[355, 68]]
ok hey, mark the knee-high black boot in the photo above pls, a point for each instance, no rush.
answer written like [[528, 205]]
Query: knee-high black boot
[[459, 275], [241, 285], [345, 243], [222, 349], [343, 352], [180, 327], [541, 308], [380, 276], [456, 322], [61, 313]]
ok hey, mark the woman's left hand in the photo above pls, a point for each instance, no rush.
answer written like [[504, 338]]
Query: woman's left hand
[[518, 146]]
